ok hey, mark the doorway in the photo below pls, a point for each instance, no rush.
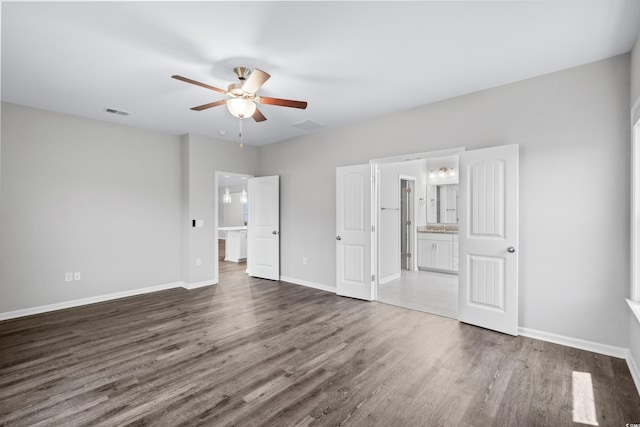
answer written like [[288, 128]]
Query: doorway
[[425, 228], [487, 239], [232, 204]]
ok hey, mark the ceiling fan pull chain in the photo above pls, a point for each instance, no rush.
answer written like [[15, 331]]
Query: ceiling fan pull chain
[[240, 133]]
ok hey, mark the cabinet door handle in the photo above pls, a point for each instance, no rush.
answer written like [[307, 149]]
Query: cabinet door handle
[[338, 238], [511, 249]]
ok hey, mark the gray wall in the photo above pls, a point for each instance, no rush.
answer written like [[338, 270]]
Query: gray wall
[[110, 201], [88, 196], [572, 127], [205, 157]]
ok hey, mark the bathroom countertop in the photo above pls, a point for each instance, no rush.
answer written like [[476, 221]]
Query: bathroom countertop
[[440, 229]]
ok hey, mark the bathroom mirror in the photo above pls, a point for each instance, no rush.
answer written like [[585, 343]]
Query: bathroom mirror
[[442, 204]]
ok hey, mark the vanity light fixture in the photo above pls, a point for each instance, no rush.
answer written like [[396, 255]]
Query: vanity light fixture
[[432, 174], [443, 171], [226, 197]]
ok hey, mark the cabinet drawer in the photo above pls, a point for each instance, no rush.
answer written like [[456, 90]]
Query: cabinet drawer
[[441, 237]]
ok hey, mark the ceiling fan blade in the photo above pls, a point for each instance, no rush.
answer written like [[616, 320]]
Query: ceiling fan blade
[[209, 105], [193, 82], [281, 102], [258, 116], [255, 81]]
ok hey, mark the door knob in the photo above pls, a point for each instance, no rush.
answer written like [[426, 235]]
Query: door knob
[[511, 249], [274, 232], [338, 238]]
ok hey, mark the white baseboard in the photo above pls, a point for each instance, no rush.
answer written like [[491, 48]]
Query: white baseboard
[[308, 284], [388, 279], [607, 350], [85, 301], [633, 368], [198, 284]]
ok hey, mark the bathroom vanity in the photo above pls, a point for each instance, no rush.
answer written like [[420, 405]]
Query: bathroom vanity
[[438, 249]]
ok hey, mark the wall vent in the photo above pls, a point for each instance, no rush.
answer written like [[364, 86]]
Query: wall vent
[[118, 112], [308, 125]]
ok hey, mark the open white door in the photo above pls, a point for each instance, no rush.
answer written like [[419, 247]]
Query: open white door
[[488, 272], [263, 228], [353, 232]]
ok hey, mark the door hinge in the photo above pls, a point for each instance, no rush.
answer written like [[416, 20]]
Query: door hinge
[[408, 189], [408, 254], [408, 222], [373, 277]]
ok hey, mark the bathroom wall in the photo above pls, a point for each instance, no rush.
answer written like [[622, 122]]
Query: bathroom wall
[[389, 217]]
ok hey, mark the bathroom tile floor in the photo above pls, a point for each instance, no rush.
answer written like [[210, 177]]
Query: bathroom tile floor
[[435, 293]]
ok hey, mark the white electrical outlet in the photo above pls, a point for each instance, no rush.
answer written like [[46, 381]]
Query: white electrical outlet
[[304, 260], [198, 262], [77, 276], [68, 277]]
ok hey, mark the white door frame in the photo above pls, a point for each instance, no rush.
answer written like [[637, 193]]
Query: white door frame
[[375, 200], [634, 291]]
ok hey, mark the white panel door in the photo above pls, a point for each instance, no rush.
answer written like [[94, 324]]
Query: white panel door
[[488, 233], [353, 232], [263, 228]]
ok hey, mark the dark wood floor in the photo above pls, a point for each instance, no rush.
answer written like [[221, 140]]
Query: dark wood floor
[[255, 352]]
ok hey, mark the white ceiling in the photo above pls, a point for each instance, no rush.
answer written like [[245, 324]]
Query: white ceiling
[[350, 60]]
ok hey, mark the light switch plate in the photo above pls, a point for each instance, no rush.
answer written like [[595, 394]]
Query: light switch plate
[[68, 277], [76, 275]]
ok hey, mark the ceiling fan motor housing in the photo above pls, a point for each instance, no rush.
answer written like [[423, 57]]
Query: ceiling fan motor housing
[[235, 89], [242, 73]]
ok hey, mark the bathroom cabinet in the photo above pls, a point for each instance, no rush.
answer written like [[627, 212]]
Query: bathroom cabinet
[[438, 251]]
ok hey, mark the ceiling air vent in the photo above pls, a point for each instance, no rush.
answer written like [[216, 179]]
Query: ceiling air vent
[[308, 125], [118, 112]]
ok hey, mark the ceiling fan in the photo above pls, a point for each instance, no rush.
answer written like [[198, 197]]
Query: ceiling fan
[[242, 96]]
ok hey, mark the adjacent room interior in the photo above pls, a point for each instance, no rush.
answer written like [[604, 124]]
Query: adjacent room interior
[[418, 223], [233, 216]]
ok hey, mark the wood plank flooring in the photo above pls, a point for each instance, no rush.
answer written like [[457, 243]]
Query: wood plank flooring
[[251, 352]]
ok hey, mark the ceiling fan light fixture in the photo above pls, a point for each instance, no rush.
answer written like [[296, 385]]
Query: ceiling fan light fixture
[[241, 107]]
